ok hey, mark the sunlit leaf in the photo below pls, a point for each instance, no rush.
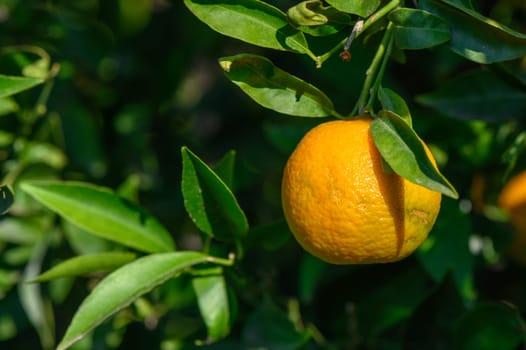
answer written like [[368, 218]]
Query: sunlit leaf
[[10, 85], [123, 286], [101, 212], [393, 102], [274, 88], [476, 37], [401, 148], [210, 203], [356, 7], [253, 21], [417, 29], [477, 94], [83, 264], [212, 298]]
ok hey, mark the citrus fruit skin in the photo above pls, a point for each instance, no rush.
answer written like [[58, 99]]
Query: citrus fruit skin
[[513, 199], [343, 208]]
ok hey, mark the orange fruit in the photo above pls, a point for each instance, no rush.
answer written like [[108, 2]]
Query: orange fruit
[[343, 208], [513, 199]]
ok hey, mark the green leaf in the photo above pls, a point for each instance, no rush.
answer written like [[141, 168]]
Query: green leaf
[[84, 264], [311, 271], [307, 13], [120, 288], [101, 212], [356, 7], [274, 88], [270, 236], [212, 298], [315, 19], [8, 105], [382, 308], [10, 85], [268, 327], [401, 148], [255, 22], [34, 302], [417, 29], [451, 234], [393, 102], [6, 199], [225, 168], [490, 326], [25, 230], [476, 37], [210, 203], [477, 94]]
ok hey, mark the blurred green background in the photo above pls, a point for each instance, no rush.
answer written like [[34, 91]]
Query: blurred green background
[[139, 79]]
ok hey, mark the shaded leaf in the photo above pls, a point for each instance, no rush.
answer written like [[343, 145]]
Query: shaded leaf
[[225, 168], [356, 7], [88, 263], [417, 29], [274, 88], [435, 318], [311, 271], [101, 212], [477, 94], [450, 233], [401, 148], [210, 203], [123, 286], [212, 298], [270, 236], [490, 326], [476, 37], [6, 199], [384, 307], [10, 85], [393, 102], [255, 22], [268, 327]]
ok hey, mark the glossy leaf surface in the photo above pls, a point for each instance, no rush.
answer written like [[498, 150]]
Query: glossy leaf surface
[[476, 37], [84, 264], [393, 102], [417, 29], [274, 88], [212, 299], [123, 286], [255, 22], [210, 203], [101, 212], [356, 7], [401, 148]]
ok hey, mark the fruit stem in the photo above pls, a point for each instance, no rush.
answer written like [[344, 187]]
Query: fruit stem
[[381, 72], [372, 75], [375, 17]]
